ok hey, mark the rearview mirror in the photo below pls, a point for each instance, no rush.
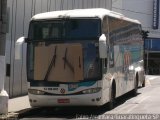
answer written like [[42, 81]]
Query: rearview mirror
[[103, 46], [19, 47]]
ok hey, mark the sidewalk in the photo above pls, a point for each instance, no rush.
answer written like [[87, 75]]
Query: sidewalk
[[18, 104]]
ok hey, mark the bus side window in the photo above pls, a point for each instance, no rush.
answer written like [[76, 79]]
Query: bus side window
[[105, 25], [111, 57]]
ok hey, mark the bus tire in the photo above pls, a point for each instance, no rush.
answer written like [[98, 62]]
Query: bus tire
[[135, 86], [112, 96], [144, 83]]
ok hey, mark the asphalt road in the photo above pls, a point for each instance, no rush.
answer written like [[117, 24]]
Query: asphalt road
[[146, 105]]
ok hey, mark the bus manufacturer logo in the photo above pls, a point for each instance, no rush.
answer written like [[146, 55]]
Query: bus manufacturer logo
[[62, 91]]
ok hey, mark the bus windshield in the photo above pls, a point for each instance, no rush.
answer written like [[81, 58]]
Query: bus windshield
[[79, 49], [67, 29]]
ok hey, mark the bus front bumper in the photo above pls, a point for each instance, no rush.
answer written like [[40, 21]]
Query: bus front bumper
[[94, 99]]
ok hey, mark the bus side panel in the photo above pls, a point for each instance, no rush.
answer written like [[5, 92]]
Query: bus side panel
[[125, 52], [105, 83]]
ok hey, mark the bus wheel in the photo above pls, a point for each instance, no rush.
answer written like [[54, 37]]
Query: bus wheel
[[144, 83], [112, 98], [135, 86]]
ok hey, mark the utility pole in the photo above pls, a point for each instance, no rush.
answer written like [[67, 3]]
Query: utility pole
[[146, 51]]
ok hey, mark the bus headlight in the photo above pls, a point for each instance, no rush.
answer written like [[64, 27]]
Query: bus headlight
[[36, 92], [91, 90]]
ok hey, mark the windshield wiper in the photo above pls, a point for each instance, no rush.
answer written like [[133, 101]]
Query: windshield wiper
[[67, 62], [53, 61]]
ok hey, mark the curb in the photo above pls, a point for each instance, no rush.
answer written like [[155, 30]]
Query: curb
[[9, 116]]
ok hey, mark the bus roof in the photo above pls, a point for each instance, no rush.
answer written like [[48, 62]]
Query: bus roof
[[82, 13]]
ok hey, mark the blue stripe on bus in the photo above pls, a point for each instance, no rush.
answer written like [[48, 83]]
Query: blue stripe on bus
[[74, 86]]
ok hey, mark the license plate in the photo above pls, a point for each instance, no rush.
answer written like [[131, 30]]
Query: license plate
[[63, 100]]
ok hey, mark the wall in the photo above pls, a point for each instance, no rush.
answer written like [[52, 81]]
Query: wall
[[19, 14], [3, 22], [3, 5]]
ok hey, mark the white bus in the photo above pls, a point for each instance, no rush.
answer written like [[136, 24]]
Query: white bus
[[83, 57]]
